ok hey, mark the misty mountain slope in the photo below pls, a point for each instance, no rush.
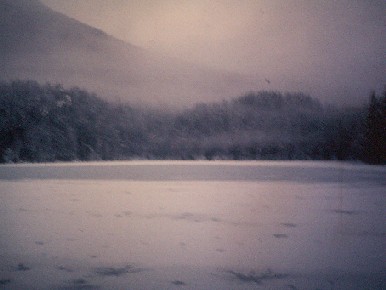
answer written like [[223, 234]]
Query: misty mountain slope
[[40, 44]]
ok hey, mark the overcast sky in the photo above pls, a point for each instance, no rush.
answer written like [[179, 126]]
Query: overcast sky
[[341, 43]]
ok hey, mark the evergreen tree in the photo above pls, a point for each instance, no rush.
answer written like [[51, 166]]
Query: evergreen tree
[[375, 147]]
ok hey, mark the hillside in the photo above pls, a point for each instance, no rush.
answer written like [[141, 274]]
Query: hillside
[[40, 44]]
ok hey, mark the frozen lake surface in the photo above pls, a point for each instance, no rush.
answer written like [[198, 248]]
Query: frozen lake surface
[[192, 225]]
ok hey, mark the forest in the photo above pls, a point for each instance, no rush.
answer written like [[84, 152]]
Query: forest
[[47, 123]]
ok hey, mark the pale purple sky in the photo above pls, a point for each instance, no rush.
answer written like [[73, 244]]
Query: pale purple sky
[[312, 45]]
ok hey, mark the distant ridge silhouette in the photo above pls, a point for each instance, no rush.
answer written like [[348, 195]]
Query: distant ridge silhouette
[[41, 44]]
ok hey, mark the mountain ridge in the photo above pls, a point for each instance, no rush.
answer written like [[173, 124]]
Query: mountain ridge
[[47, 46]]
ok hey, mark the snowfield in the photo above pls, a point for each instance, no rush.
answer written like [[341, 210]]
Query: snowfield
[[192, 225]]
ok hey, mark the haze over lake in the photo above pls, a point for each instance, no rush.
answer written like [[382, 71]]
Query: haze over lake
[[192, 225], [90, 89]]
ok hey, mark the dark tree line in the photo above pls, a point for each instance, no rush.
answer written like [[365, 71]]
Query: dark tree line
[[48, 123]]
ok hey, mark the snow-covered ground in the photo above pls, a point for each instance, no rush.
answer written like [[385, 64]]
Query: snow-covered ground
[[192, 225]]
